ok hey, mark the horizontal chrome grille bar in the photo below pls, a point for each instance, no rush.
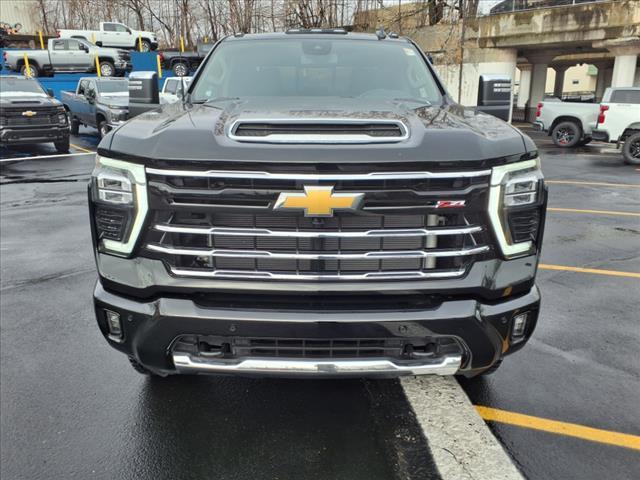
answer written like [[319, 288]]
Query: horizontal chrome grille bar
[[263, 232], [383, 255], [249, 274], [317, 177]]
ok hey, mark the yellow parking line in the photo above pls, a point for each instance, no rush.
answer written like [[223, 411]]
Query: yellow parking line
[[595, 184], [561, 428], [614, 273], [601, 212], [81, 149]]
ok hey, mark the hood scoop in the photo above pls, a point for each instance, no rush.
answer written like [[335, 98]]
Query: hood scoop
[[313, 131]]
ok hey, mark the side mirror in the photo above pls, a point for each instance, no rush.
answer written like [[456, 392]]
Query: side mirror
[[50, 92], [91, 96], [129, 31], [85, 48]]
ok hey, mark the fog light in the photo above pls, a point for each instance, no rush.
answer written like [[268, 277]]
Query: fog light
[[519, 326], [113, 321]]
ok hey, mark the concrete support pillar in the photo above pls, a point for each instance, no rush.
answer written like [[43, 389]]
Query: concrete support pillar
[[601, 80], [626, 50], [558, 86], [624, 70], [525, 84], [540, 62], [538, 84]]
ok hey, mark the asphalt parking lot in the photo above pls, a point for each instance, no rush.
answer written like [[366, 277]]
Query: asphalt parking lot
[[73, 408]]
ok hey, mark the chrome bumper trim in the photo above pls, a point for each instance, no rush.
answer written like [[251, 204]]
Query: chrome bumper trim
[[254, 275], [186, 363], [263, 232], [376, 255]]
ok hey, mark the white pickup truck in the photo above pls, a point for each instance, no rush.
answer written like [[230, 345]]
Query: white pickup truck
[[114, 34], [569, 123], [619, 121]]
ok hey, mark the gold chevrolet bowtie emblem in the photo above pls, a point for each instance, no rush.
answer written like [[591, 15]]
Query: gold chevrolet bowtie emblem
[[29, 113], [319, 201]]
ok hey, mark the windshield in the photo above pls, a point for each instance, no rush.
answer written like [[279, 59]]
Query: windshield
[[13, 86], [304, 67], [113, 86]]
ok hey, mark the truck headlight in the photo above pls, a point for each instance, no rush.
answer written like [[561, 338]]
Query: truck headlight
[[62, 116], [516, 204], [118, 115], [119, 197]]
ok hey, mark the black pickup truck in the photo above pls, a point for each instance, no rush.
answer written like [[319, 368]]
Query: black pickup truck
[[181, 63], [317, 205], [29, 115]]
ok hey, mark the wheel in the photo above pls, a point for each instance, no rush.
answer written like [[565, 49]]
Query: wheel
[[75, 126], [566, 134], [62, 146], [34, 70], [107, 69], [585, 141], [138, 367], [103, 128], [180, 69], [631, 149], [146, 46]]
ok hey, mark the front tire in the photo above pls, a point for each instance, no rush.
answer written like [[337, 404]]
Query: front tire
[[631, 149], [103, 128], [62, 146], [34, 71], [180, 69], [107, 69], [75, 126], [566, 134], [146, 46]]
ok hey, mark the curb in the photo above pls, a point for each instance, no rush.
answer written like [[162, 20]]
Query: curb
[[461, 443]]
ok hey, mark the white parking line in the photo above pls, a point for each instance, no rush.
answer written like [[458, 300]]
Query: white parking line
[[38, 157], [461, 443]]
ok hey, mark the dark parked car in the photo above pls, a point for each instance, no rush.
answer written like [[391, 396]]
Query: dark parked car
[[29, 115], [318, 205]]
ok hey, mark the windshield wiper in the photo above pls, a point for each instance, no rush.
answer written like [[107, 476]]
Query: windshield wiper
[[426, 103], [216, 99]]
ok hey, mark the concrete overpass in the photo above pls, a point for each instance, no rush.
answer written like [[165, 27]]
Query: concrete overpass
[[605, 34]]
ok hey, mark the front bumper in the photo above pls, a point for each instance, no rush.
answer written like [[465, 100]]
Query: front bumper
[[123, 66], [539, 126], [151, 330], [28, 135]]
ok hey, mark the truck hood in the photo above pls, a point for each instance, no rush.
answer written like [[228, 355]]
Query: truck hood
[[27, 99], [118, 100], [200, 132], [116, 52]]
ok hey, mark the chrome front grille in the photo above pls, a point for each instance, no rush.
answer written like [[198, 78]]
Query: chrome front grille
[[43, 116], [222, 225]]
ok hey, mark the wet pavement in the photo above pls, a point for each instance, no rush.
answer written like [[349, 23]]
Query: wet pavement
[[73, 408], [582, 364]]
